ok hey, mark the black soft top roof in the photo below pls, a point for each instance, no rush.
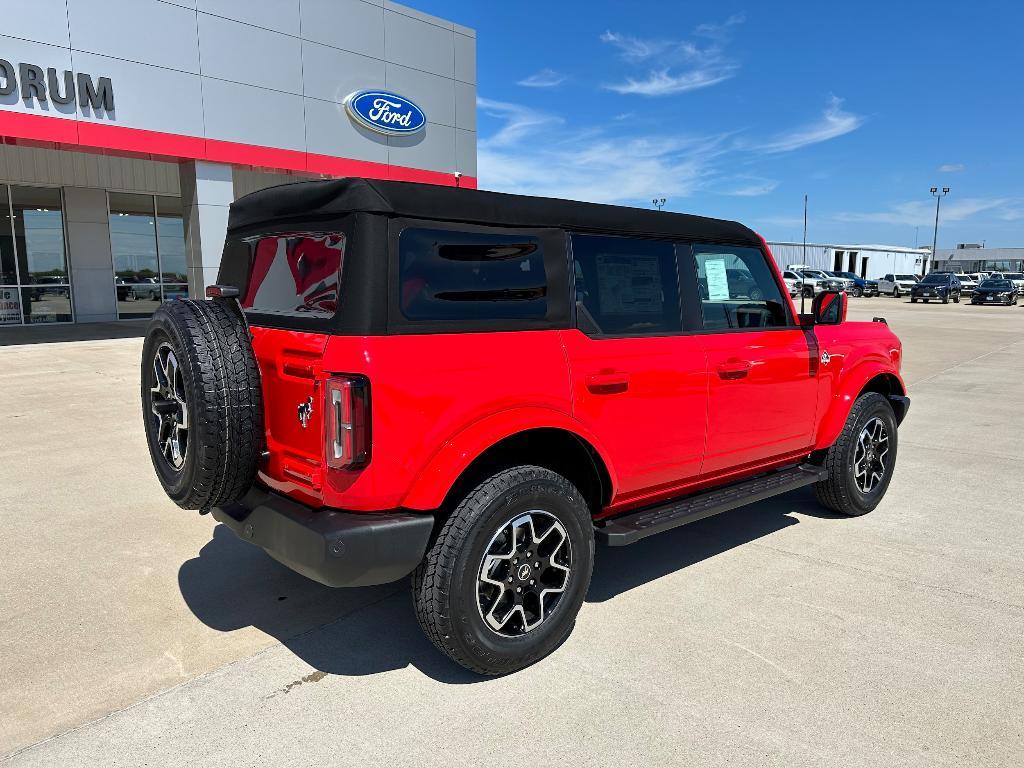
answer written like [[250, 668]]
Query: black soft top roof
[[317, 200]]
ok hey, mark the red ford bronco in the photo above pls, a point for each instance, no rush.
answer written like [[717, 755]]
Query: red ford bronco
[[473, 388]]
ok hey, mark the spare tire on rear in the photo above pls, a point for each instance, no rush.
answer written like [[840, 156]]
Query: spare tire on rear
[[201, 402]]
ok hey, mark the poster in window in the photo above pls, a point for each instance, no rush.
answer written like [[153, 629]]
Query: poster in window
[[10, 306]]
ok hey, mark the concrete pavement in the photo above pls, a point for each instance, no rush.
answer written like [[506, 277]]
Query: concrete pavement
[[134, 633]]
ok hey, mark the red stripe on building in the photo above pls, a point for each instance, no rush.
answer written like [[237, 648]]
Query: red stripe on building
[[81, 135]]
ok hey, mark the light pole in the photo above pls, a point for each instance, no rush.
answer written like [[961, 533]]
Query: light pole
[[935, 238], [659, 202]]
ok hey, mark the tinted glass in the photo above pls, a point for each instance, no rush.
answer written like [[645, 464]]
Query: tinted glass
[[911, 278], [39, 234], [451, 275], [626, 286], [997, 285], [932, 279], [170, 232], [46, 303], [738, 289], [297, 273], [1014, 275], [8, 274], [133, 248]]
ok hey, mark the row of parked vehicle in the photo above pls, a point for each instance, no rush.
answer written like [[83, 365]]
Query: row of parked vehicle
[[801, 279], [981, 287]]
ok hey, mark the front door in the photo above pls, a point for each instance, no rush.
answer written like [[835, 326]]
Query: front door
[[762, 368], [638, 383]]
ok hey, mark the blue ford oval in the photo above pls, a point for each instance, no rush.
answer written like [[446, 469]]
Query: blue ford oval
[[385, 112]]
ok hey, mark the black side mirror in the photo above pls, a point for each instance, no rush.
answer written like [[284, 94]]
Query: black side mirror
[[829, 308]]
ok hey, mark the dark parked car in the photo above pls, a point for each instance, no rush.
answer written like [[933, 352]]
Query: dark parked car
[[861, 286], [937, 285], [997, 291]]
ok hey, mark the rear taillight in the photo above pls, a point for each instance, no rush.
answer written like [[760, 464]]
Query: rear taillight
[[347, 422]]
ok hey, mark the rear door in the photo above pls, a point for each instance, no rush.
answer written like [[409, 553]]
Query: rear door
[[638, 382], [762, 368], [292, 286]]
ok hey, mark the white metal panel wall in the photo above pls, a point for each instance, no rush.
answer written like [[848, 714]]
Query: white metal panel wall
[[263, 72]]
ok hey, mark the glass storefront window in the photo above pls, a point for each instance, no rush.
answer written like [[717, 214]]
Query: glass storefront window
[[8, 272], [147, 241], [33, 257]]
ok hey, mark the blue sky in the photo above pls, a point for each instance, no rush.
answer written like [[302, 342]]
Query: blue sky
[[736, 110]]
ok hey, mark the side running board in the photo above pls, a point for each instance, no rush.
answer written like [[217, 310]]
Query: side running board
[[633, 526]]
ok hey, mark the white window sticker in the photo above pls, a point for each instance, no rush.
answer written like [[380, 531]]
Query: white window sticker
[[718, 281]]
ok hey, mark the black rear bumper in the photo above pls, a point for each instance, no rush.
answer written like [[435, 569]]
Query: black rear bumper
[[334, 547]]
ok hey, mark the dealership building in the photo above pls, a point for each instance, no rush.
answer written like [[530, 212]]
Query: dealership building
[[129, 126]]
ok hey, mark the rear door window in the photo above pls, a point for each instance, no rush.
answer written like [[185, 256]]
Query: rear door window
[[295, 274], [738, 289], [448, 275], [626, 286]]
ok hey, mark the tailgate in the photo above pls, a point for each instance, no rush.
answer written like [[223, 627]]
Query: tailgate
[[291, 372]]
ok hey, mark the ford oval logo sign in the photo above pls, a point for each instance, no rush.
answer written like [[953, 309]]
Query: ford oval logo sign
[[385, 112]]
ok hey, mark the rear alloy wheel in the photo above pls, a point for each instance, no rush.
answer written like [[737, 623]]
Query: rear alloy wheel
[[523, 573], [502, 584], [861, 461]]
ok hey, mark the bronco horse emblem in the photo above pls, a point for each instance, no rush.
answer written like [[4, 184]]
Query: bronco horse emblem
[[305, 411]]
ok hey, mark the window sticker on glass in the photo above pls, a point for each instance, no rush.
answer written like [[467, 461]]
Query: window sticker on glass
[[718, 280], [630, 284]]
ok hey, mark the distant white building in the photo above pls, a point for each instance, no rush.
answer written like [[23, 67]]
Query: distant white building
[[973, 258], [868, 261]]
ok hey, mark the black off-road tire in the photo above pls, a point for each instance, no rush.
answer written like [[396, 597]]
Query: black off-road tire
[[222, 390], [444, 586], [839, 491]]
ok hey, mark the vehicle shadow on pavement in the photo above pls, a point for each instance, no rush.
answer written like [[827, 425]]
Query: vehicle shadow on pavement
[[620, 569], [352, 632], [364, 631]]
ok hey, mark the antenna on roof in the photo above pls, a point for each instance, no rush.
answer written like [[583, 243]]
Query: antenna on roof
[[803, 294]]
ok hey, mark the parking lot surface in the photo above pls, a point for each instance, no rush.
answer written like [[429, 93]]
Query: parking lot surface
[[132, 632]]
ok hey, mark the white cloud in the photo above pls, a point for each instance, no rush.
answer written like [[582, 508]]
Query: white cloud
[[750, 187], [545, 78], [518, 120], [922, 212], [537, 153], [676, 66], [635, 48], [952, 168], [530, 154], [663, 83], [717, 31], [834, 122]]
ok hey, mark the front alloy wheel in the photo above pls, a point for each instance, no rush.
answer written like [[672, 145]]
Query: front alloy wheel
[[859, 464], [169, 408], [869, 455]]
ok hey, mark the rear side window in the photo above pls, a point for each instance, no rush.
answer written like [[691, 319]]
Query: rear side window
[[452, 275], [626, 286], [295, 274], [737, 289]]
